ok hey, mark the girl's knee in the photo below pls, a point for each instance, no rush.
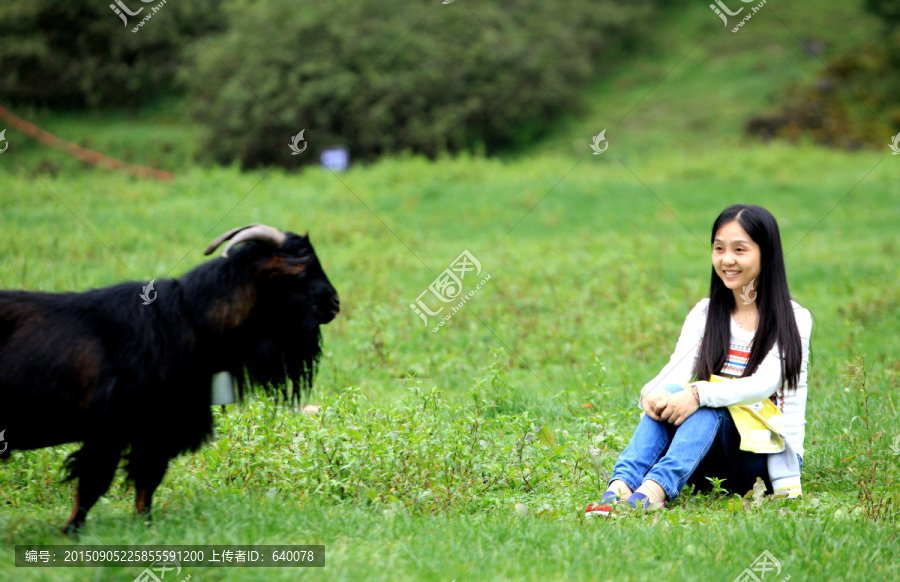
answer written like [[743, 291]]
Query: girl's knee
[[673, 388], [707, 413], [645, 418]]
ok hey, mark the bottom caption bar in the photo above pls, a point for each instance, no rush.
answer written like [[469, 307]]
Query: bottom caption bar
[[152, 557]]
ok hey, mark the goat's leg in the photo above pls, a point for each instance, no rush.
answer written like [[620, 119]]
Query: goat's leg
[[95, 467], [147, 469]]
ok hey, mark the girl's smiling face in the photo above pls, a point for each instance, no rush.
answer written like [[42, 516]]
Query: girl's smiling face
[[735, 256]]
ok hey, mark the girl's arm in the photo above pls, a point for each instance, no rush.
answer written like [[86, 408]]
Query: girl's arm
[[680, 368], [764, 382]]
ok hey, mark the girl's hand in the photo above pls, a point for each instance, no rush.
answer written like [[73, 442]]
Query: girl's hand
[[677, 408], [650, 401]]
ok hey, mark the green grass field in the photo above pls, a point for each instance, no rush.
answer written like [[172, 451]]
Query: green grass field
[[469, 453]]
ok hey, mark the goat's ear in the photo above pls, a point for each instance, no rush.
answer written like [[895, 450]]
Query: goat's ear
[[290, 266]]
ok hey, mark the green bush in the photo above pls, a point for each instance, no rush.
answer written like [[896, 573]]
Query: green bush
[[77, 53], [389, 75], [889, 10], [854, 100]]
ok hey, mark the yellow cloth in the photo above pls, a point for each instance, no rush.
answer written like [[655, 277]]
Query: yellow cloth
[[760, 425]]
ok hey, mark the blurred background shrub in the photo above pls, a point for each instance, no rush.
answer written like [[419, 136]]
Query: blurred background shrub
[[392, 75], [850, 101], [79, 54], [387, 76]]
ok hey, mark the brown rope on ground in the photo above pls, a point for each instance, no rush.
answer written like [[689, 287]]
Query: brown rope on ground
[[85, 155]]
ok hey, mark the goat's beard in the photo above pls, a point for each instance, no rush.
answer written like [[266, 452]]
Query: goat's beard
[[285, 359]]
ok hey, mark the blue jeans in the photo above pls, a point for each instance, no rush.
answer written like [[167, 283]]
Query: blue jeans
[[707, 444]]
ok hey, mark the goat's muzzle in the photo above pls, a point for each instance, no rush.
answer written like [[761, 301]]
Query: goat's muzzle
[[327, 314]]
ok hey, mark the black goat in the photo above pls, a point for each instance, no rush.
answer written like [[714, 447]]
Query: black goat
[[117, 373]]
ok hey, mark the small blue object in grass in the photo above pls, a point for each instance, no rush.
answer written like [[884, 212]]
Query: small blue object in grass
[[337, 159]]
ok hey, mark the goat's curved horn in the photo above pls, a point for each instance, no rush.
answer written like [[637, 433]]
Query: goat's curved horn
[[259, 232], [222, 238]]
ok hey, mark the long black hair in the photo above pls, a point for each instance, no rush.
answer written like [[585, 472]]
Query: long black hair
[[773, 300]]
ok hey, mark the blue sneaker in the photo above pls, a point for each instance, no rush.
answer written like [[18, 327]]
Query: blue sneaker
[[636, 499]]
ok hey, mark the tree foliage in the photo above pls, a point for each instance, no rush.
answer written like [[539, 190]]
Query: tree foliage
[[390, 75], [79, 53]]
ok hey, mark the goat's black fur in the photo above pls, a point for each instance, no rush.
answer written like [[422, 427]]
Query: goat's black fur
[[102, 368]]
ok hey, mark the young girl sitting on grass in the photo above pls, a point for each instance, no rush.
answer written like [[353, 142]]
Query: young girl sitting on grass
[[749, 330]]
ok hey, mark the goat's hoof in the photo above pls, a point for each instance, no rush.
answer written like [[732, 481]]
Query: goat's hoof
[[73, 529], [145, 516]]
